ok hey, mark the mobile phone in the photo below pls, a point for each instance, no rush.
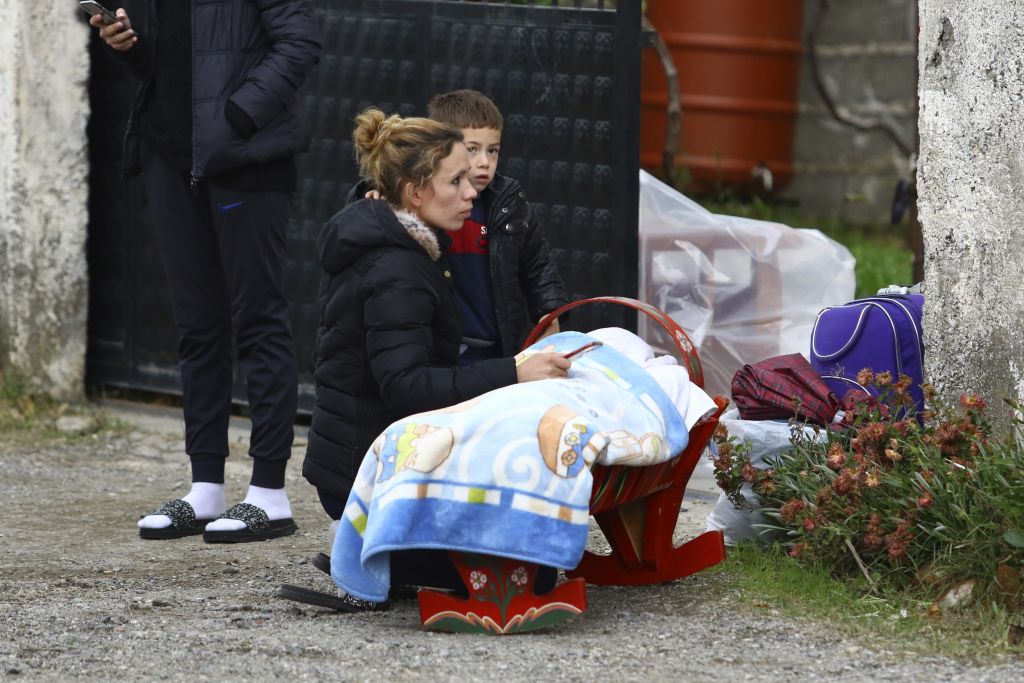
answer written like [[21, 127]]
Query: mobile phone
[[92, 7], [589, 346]]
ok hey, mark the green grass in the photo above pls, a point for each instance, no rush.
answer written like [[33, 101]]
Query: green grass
[[883, 257], [767, 579], [27, 417]]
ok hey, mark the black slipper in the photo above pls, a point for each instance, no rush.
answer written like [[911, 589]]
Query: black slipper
[[346, 603], [322, 561], [258, 527], [183, 522]]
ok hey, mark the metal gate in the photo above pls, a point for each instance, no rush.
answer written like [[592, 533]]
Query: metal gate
[[565, 74]]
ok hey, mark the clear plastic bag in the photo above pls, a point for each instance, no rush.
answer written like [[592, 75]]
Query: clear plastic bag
[[743, 289]]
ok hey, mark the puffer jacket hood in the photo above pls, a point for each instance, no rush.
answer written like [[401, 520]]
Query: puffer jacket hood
[[372, 224]]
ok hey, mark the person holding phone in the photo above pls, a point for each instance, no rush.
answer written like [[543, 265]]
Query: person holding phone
[[214, 130]]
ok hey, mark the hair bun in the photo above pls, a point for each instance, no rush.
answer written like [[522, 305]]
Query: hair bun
[[372, 130]]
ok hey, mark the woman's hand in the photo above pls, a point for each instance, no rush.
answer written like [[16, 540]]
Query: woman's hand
[[543, 366], [119, 36], [551, 329]]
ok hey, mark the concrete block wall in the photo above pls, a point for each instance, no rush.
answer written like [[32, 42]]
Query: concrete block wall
[[44, 172], [866, 51]]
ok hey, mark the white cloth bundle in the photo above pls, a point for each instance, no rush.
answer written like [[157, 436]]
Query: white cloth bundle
[[691, 401]]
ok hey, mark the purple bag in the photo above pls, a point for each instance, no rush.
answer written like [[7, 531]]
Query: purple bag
[[879, 332]]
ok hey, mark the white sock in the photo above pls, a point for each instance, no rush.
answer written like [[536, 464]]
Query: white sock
[[205, 498], [272, 501]]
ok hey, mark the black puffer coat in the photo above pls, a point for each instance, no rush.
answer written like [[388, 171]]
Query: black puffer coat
[[388, 340], [524, 282], [257, 53]]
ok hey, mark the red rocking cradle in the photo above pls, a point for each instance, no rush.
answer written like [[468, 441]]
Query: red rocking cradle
[[637, 509]]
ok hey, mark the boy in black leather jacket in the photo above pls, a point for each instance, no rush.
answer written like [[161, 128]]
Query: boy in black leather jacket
[[504, 278]]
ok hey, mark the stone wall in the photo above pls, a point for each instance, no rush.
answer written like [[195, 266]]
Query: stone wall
[[866, 53], [44, 108], [971, 205]]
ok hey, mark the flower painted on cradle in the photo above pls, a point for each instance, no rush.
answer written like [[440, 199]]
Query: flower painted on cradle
[[809, 524], [872, 480], [893, 455], [477, 579], [925, 500], [519, 576], [883, 379]]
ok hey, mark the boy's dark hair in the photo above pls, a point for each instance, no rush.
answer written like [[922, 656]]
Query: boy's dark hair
[[465, 109]]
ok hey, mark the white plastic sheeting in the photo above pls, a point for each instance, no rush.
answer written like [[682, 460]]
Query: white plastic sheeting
[[743, 289]]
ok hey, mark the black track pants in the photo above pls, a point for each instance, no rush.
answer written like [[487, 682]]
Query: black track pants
[[223, 251]]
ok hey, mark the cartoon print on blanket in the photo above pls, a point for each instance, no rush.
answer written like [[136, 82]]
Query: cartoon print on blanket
[[507, 473]]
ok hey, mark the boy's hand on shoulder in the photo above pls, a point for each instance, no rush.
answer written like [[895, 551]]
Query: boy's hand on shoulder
[[372, 194], [543, 366]]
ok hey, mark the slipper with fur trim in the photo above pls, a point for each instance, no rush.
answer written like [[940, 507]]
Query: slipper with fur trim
[[342, 603], [258, 527], [183, 522]]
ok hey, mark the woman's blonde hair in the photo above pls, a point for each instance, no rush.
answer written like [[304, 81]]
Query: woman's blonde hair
[[392, 151]]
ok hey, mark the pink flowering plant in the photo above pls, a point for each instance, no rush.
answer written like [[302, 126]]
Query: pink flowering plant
[[900, 498]]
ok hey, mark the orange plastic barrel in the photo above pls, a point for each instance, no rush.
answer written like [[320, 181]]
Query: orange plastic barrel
[[738, 64]]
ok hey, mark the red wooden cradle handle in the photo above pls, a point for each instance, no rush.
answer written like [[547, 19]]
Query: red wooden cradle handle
[[687, 351]]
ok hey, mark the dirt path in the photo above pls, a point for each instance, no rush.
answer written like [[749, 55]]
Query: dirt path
[[82, 597]]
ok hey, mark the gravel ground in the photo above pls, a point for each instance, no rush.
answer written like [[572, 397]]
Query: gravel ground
[[82, 597]]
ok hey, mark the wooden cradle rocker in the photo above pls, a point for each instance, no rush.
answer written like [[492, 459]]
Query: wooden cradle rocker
[[637, 509]]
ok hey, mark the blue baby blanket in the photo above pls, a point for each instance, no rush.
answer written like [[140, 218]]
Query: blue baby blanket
[[506, 473]]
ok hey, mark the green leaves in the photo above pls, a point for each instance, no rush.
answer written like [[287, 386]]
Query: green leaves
[[1014, 537]]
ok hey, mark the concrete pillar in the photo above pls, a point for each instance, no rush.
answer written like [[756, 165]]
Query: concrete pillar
[[44, 108], [971, 195]]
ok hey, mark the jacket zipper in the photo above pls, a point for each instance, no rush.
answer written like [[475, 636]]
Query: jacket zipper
[[193, 176]]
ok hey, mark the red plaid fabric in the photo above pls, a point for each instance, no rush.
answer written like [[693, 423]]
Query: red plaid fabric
[[783, 387]]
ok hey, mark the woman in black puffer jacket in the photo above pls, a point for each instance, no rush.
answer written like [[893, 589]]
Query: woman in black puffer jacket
[[389, 334]]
